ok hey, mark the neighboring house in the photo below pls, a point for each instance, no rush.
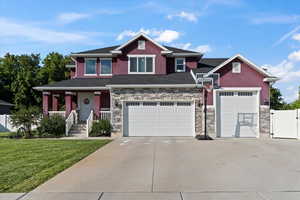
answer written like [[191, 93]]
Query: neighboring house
[[153, 90], [5, 107]]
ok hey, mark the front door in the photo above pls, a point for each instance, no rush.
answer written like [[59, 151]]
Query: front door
[[86, 104]]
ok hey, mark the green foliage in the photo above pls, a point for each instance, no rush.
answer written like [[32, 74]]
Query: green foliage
[[20, 73], [101, 128], [53, 126], [276, 99], [15, 135], [26, 118], [293, 105]]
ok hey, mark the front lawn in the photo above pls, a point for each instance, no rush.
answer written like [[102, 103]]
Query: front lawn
[[25, 164], [4, 134]]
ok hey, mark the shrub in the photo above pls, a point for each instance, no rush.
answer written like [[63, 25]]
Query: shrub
[[15, 135], [101, 128], [25, 118], [53, 126]]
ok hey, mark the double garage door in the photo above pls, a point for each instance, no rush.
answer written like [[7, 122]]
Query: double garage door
[[159, 119], [237, 113]]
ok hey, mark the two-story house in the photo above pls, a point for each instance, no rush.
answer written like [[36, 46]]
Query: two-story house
[[155, 90]]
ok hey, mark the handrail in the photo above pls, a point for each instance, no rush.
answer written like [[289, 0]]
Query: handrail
[[105, 115], [89, 123], [72, 119], [60, 113]]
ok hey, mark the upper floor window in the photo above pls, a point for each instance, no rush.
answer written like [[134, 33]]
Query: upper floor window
[[236, 67], [90, 66], [105, 66], [144, 64], [180, 64], [141, 44]]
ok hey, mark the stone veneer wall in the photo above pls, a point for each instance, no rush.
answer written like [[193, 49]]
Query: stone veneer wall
[[210, 122], [264, 121], [155, 94]]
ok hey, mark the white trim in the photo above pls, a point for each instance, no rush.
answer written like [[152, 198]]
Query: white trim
[[185, 54], [136, 37], [193, 75], [91, 55], [70, 66], [141, 44], [70, 88], [100, 67], [254, 66], [184, 67], [271, 79], [86, 59], [142, 56], [236, 67], [153, 86]]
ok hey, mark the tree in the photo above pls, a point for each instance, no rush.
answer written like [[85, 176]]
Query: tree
[[25, 118], [24, 81], [276, 99], [54, 68]]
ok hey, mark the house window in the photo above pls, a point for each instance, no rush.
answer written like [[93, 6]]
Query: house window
[[141, 44], [236, 67], [180, 64], [105, 66], [90, 66], [141, 64]]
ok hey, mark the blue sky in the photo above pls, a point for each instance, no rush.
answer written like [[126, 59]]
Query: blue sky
[[266, 32]]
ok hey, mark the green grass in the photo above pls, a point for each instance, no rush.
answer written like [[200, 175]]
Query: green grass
[[4, 134], [25, 164]]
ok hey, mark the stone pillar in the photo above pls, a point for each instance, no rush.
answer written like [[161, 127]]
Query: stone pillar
[[55, 102], [68, 102], [46, 102], [97, 103], [264, 121]]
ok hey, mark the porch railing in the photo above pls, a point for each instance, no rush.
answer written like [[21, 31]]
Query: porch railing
[[105, 115], [89, 123], [60, 113], [72, 119]]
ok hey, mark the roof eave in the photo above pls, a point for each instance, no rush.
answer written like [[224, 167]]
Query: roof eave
[[151, 85], [92, 55], [41, 88]]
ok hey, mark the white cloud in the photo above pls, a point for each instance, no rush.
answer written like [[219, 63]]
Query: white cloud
[[11, 29], [189, 16], [70, 17], [287, 35], [200, 48], [166, 36], [295, 56], [296, 37], [203, 48], [290, 87], [276, 19]]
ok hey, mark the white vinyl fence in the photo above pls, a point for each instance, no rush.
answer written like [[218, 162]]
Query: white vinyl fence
[[285, 124], [5, 124]]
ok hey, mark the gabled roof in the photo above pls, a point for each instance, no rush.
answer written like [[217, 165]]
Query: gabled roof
[[207, 64], [99, 50], [251, 64], [136, 37], [4, 103]]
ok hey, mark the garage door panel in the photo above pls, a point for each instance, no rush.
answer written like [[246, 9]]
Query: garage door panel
[[237, 114], [159, 119]]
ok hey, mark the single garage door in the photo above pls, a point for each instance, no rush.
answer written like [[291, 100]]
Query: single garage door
[[158, 119], [237, 113]]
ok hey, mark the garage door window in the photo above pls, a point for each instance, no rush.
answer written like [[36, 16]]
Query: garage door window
[[167, 103], [149, 104], [183, 103], [226, 93], [132, 104], [247, 94]]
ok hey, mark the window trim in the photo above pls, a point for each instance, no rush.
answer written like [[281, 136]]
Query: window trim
[[86, 59], [145, 56], [144, 46], [100, 67], [233, 69], [184, 67]]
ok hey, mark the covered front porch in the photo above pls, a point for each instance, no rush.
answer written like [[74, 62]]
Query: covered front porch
[[82, 102]]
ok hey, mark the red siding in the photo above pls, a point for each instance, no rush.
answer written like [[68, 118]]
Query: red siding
[[163, 65], [247, 78], [121, 66]]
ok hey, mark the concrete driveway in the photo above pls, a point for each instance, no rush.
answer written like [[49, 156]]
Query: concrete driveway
[[181, 169]]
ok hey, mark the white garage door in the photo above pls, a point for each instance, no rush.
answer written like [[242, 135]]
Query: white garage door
[[237, 114], [158, 119]]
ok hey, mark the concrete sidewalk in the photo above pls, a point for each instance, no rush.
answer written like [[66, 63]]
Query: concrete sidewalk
[[181, 168], [154, 196]]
